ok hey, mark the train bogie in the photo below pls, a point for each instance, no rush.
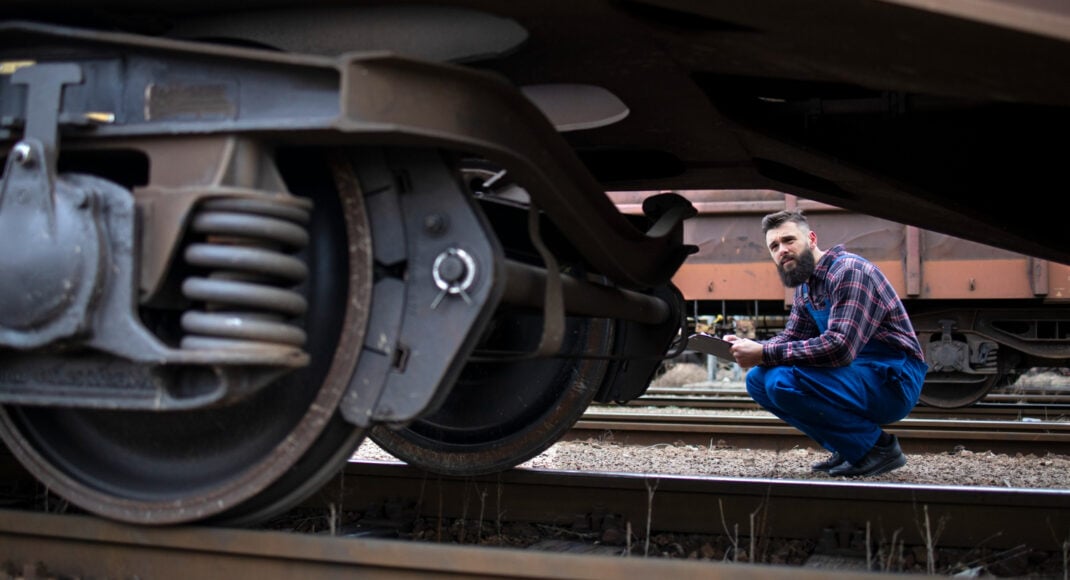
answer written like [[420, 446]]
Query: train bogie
[[217, 292]]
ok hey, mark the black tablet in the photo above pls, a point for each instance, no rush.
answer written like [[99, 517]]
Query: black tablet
[[708, 344]]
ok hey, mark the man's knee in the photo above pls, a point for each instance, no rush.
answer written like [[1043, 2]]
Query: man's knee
[[756, 391], [787, 390], [755, 382]]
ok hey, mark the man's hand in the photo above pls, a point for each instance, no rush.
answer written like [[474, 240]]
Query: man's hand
[[747, 352]]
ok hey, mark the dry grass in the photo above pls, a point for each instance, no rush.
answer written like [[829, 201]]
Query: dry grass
[[1042, 377]]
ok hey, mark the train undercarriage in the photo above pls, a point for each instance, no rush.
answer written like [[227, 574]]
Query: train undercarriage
[[204, 317], [971, 352], [972, 348]]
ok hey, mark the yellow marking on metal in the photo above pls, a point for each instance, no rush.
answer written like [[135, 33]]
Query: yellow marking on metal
[[100, 117], [9, 67]]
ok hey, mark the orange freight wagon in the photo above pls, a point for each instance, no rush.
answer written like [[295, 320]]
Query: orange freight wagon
[[984, 314]]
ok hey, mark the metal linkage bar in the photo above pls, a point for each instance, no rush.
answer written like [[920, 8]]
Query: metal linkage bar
[[524, 286]]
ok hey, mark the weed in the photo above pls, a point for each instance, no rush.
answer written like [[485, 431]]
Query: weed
[[930, 538], [733, 536], [649, 512], [482, 511]]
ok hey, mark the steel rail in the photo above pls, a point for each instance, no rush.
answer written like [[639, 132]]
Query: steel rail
[[974, 516], [1046, 403], [768, 432], [1005, 411], [51, 545], [970, 518]]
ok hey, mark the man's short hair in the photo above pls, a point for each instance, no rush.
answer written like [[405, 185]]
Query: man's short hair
[[775, 220]]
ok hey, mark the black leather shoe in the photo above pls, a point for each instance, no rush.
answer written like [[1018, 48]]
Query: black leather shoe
[[880, 459], [834, 460]]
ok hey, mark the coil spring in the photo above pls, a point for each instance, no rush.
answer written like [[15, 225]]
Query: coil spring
[[248, 292]]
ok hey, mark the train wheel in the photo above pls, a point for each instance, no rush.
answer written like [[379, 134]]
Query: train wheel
[[244, 462], [961, 391], [500, 414]]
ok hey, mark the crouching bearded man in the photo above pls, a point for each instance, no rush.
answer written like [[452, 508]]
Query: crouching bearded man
[[848, 361]]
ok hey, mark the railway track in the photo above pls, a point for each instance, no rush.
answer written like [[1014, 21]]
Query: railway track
[[51, 546], [87, 547], [1047, 403], [579, 510], [996, 409], [767, 432], [832, 517], [1007, 422]]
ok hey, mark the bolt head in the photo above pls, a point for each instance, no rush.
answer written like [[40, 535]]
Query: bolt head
[[23, 154], [435, 224], [452, 269]]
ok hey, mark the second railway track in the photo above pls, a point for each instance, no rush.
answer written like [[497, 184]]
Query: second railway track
[[768, 432], [1022, 421]]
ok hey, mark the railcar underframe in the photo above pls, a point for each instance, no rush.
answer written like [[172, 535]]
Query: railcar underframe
[[286, 253]]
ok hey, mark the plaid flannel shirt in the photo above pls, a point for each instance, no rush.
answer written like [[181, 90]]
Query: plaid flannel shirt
[[864, 307]]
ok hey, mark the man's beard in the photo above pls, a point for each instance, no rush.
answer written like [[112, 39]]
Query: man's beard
[[804, 268]]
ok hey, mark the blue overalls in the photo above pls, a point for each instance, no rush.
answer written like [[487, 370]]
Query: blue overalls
[[841, 408]]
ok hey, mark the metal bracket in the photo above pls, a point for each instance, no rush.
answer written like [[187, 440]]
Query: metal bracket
[[44, 97], [947, 355], [420, 335], [52, 257], [53, 252]]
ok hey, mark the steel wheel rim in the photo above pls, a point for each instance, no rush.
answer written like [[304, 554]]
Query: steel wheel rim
[[470, 436], [156, 469]]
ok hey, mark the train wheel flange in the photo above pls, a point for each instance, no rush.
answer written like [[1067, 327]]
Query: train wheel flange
[[500, 414]]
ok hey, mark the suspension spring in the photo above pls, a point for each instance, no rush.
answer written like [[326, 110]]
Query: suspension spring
[[246, 274]]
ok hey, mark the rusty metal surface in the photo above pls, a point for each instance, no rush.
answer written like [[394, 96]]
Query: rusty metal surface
[[794, 508], [733, 264], [85, 547]]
